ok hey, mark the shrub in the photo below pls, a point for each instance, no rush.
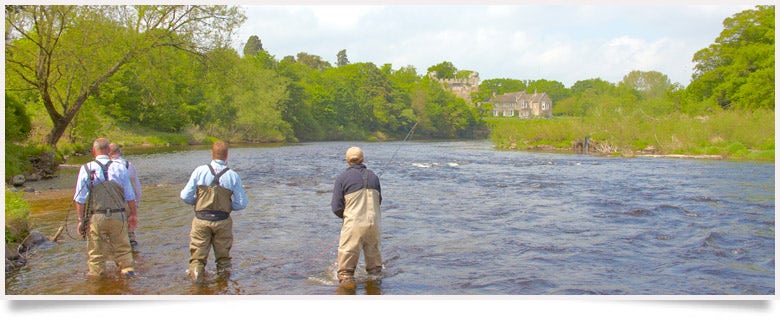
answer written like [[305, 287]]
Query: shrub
[[16, 160], [17, 213]]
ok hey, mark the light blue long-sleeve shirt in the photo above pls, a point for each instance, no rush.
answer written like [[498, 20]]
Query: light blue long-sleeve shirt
[[202, 176], [116, 172], [133, 177]]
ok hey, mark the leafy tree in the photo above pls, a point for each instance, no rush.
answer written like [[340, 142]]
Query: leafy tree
[[586, 96], [359, 93], [341, 58], [440, 114], [253, 46], [17, 122], [313, 61], [598, 85], [554, 89], [66, 53], [649, 84], [737, 71], [258, 92], [402, 81], [297, 108], [501, 86], [165, 91], [290, 59], [444, 70], [463, 74]]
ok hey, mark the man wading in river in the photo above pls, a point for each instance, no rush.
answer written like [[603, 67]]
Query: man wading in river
[[132, 223], [357, 197], [215, 190], [102, 189]]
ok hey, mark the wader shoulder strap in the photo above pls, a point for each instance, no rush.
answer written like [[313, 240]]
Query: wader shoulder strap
[[89, 176], [104, 167], [215, 182], [106, 195]]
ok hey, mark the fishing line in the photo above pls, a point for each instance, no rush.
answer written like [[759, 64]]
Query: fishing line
[[65, 223], [326, 248], [409, 134]]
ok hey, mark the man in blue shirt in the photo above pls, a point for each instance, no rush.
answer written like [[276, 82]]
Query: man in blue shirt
[[215, 191], [116, 156], [102, 191]]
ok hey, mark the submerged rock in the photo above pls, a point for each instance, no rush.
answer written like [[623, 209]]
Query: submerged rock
[[15, 257], [18, 180], [13, 260]]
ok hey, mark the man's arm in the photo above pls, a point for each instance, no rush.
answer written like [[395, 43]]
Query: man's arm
[[189, 192], [135, 181], [337, 202], [132, 216], [82, 221], [239, 195]]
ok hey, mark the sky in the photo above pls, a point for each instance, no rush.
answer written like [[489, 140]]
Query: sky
[[565, 41]]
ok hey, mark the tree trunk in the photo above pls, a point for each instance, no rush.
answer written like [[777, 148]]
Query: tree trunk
[[61, 123], [57, 131]]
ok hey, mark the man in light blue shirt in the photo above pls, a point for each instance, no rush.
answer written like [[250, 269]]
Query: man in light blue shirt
[[116, 156], [102, 191], [214, 190]]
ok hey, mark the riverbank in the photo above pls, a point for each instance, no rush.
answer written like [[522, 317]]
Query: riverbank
[[738, 135], [649, 153], [17, 228]]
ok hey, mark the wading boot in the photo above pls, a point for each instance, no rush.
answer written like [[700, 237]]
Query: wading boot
[[375, 276], [224, 272], [197, 274], [347, 283], [128, 273]]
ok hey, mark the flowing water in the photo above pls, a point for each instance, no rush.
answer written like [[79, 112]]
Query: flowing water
[[459, 218]]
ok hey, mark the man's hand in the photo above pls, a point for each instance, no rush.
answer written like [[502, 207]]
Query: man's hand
[[83, 229], [83, 226]]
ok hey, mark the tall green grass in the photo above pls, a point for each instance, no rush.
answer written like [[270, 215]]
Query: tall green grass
[[731, 134], [17, 212]]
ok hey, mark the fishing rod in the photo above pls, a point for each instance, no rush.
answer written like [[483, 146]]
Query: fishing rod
[[409, 134]]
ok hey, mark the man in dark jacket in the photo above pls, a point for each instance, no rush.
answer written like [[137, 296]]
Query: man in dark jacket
[[357, 196]]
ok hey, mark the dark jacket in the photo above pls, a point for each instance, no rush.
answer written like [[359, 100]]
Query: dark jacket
[[349, 181]]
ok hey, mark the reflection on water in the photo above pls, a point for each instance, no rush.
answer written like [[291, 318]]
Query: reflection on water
[[458, 218]]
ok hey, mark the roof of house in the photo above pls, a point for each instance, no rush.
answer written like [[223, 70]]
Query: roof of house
[[517, 96]]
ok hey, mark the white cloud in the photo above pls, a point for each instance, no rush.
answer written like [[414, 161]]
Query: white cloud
[[341, 17]]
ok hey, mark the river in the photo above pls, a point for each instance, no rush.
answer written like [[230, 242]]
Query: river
[[459, 218]]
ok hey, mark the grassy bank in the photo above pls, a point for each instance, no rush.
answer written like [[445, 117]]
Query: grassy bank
[[18, 156], [730, 134], [17, 212]]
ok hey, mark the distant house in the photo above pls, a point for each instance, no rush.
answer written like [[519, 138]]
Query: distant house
[[522, 105]]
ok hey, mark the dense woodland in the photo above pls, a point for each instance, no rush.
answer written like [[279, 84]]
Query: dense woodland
[[161, 75]]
